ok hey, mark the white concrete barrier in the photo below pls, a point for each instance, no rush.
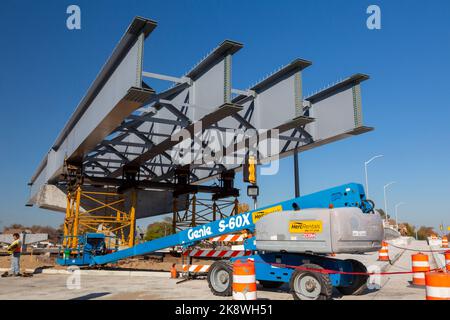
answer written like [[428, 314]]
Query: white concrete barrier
[[434, 242], [438, 256], [402, 241]]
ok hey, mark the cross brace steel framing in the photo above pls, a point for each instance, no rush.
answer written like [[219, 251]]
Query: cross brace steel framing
[[141, 128]]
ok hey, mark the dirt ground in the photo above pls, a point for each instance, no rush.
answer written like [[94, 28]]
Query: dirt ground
[[28, 262], [151, 263]]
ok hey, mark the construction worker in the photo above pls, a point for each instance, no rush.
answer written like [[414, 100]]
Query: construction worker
[[15, 249]]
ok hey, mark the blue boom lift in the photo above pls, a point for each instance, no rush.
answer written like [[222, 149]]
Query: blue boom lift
[[272, 268]]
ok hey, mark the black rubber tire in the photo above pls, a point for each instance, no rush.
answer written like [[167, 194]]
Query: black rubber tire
[[359, 282], [221, 265], [270, 284], [323, 278]]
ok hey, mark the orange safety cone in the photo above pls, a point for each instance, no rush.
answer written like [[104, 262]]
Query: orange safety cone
[[244, 280], [438, 285], [447, 260], [383, 253], [420, 265], [173, 272], [444, 242]]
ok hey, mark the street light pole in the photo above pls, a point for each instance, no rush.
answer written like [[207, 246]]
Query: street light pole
[[396, 214], [365, 170], [385, 199]]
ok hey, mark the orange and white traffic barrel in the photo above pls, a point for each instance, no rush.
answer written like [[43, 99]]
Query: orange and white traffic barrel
[[383, 253], [244, 280], [420, 266], [447, 260], [438, 285], [444, 242], [173, 271]]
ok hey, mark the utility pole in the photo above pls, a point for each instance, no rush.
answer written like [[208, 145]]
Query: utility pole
[[365, 170], [385, 200]]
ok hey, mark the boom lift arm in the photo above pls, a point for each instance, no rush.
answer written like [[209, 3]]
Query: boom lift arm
[[348, 195]]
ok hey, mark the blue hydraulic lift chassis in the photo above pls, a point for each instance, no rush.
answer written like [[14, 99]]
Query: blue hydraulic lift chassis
[[348, 195], [279, 267]]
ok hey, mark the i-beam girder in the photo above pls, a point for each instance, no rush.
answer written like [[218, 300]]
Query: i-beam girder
[[176, 188], [129, 127], [108, 161]]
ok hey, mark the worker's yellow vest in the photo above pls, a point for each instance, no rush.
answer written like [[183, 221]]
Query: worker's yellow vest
[[15, 247]]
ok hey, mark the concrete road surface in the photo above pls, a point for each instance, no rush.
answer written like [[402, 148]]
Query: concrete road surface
[[397, 286], [157, 285]]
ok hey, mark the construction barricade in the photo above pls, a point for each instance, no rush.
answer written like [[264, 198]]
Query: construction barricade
[[383, 253], [420, 265], [447, 260], [444, 242], [244, 280], [213, 253], [196, 268], [229, 238], [437, 285]]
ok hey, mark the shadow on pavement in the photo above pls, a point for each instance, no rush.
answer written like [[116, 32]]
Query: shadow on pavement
[[92, 296]]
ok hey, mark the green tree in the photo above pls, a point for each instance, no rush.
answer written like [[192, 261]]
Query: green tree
[[158, 229]]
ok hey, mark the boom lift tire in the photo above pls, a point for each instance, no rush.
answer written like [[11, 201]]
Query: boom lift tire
[[359, 282], [270, 284], [220, 278], [310, 285]]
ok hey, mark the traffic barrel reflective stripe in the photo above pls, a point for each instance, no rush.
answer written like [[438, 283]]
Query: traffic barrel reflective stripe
[[244, 280], [444, 242], [420, 265], [437, 285], [447, 260], [383, 253]]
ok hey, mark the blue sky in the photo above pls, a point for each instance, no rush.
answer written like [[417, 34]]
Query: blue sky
[[46, 69]]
